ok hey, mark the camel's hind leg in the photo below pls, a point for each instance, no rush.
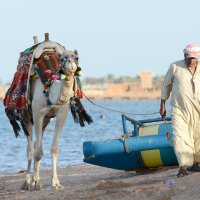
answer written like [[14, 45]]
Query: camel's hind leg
[[60, 120], [30, 151]]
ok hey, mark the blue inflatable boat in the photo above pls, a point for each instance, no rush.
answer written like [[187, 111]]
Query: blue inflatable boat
[[149, 144]]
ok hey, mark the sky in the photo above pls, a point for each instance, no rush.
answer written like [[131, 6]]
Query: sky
[[119, 37]]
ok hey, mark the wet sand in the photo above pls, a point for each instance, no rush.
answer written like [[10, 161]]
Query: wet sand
[[97, 183]]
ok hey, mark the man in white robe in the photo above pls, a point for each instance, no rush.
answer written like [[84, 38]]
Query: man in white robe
[[182, 81]]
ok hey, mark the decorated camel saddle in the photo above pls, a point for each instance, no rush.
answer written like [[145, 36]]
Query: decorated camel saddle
[[43, 61]]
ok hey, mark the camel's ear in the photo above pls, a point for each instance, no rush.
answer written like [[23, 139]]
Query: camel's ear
[[76, 52]]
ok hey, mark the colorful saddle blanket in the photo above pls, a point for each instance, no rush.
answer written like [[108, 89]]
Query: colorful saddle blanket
[[16, 95]]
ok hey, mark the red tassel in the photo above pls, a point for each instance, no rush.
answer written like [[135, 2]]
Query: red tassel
[[79, 93]]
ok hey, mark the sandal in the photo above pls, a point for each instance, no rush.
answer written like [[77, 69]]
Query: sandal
[[182, 172], [194, 168]]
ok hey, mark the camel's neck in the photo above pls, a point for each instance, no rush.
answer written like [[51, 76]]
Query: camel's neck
[[60, 91], [68, 86]]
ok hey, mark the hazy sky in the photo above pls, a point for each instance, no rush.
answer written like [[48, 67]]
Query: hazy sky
[[120, 37]]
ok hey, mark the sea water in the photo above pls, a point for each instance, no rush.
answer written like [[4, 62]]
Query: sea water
[[107, 125]]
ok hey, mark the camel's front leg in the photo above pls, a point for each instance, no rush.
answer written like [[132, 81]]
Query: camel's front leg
[[60, 119], [30, 151], [38, 123]]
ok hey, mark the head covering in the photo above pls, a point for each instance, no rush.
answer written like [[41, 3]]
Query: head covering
[[192, 51]]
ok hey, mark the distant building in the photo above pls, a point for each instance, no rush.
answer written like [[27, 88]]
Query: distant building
[[116, 88], [146, 79]]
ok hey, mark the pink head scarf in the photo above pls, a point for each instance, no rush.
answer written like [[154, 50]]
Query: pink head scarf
[[192, 51]]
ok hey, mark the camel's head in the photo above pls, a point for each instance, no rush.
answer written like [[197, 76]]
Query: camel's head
[[69, 62]]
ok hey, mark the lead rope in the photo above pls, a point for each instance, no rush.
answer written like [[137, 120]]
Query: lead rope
[[118, 111], [124, 137]]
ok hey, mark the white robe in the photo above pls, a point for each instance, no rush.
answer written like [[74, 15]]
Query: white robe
[[185, 110]]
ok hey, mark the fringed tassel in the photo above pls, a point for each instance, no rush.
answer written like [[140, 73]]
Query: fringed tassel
[[24, 128], [81, 119], [25, 117], [80, 115], [78, 118], [13, 122], [86, 117], [74, 115], [16, 127]]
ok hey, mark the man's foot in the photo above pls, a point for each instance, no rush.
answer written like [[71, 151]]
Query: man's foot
[[182, 172], [194, 168]]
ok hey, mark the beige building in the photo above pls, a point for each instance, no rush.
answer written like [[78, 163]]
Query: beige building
[[146, 79]]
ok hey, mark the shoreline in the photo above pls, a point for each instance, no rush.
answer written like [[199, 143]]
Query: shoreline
[[102, 94], [84, 181]]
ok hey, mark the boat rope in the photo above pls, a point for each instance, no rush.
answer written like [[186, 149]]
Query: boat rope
[[114, 110]]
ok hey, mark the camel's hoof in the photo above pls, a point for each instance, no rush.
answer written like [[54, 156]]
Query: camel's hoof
[[26, 186], [58, 187], [36, 185], [56, 184]]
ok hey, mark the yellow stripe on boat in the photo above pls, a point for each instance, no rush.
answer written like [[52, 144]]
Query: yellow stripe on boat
[[151, 158]]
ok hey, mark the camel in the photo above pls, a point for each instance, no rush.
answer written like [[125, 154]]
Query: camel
[[60, 95]]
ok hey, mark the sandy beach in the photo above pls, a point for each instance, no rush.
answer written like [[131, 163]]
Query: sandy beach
[[97, 183]]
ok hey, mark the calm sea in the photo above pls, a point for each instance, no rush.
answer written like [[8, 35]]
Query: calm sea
[[13, 150]]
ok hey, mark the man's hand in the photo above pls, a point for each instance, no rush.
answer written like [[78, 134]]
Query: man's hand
[[162, 109]]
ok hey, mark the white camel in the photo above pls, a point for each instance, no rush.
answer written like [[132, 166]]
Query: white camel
[[42, 113]]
